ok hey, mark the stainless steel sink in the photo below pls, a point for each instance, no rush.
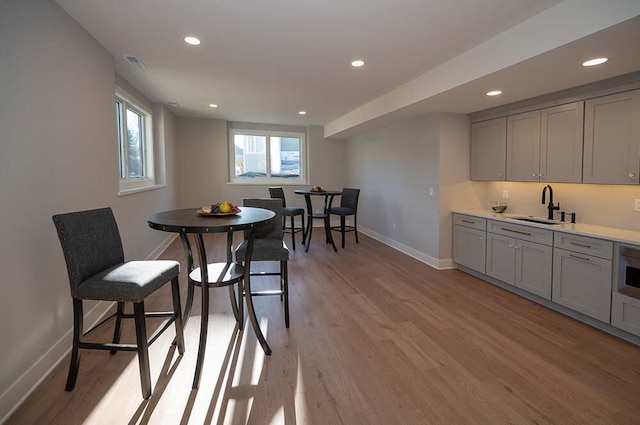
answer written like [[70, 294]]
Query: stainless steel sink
[[538, 220]]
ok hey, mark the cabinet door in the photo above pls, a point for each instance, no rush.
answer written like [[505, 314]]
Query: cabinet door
[[533, 268], [582, 283], [612, 139], [469, 247], [523, 147], [561, 136], [488, 149], [501, 262]]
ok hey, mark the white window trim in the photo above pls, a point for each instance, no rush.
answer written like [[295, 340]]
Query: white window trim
[[130, 185], [304, 160]]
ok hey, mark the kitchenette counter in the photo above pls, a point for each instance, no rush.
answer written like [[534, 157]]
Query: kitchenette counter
[[610, 233]]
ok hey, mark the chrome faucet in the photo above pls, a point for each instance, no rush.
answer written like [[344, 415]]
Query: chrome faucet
[[550, 207]]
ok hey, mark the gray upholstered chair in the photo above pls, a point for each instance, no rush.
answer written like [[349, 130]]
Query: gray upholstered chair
[[269, 246], [348, 206], [292, 212], [97, 271]]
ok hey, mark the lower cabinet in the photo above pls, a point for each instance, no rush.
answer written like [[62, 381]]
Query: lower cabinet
[[469, 247], [526, 265], [582, 283], [625, 312]]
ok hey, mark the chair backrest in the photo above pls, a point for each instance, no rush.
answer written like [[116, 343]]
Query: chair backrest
[[90, 241], [272, 230], [349, 198], [278, 193]]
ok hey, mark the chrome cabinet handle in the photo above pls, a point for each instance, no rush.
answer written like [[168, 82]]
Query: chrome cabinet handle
[[579, 257], [632, 175], [535, 175], [580, 244], [468, 221], [515, 231]]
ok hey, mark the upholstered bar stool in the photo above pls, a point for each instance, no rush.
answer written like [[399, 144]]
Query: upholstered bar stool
[[291, 212], [269, 246], [97, 271], [348, 207]]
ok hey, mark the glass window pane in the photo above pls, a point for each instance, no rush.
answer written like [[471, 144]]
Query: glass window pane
[[250, 155], [285, 156], [135, 145]]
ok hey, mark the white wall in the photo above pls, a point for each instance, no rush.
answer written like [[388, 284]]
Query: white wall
[[395, 167], [456, 191], [58, 153], [203, 169]]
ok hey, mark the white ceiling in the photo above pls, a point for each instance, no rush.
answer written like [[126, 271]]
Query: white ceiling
[[263, 61]]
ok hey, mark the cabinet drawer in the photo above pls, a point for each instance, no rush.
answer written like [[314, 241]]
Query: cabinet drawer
[[526, 233], [470, 221], [585, 245], [625, 313]]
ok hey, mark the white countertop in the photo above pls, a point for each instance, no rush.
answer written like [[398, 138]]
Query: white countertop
[[610, 233]]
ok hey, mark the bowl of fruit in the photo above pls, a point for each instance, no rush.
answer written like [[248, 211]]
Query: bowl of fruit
[[223, 208]]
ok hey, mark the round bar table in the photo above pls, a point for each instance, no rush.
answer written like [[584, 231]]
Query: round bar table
[[324, 215], [229, 273]]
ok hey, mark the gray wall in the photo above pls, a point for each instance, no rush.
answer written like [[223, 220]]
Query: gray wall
[[203, 165], [396, 166], [58, 153]]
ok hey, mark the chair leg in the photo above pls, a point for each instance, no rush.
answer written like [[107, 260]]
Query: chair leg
[[177, 314], [342, 224], [285, 279], [116, 331], [293, 234], [75, 350], [355, 226], [143, 349]]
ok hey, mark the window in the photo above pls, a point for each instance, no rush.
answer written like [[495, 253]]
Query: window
[[267, 157], [135, 143]]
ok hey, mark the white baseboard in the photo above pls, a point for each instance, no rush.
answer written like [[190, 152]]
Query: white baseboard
[[420, 256], [17, 393], [160, 249]]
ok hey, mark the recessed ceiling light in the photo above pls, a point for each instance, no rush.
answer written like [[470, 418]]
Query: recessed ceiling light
[[213, 105], [174, 104], [192, 40], [494, 92], [594, 62], [357, 63], [302, 112]]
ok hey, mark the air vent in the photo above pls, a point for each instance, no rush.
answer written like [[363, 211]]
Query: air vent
[[134, 60]]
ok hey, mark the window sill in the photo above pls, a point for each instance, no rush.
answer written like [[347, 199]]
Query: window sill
[[273, 183], [126, 192]]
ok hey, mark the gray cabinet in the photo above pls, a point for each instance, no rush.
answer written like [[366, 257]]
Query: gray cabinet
[[612, 139], [523, 147], [521, 261], [469, 236], [488, 149], [561, 137], [546, 145], [582, 275]]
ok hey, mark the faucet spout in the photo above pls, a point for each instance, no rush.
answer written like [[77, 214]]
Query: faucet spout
[[550, 207]]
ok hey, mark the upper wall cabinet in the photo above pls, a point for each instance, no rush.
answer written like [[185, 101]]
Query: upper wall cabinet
[[612, 139], [488, 149], [561, 136], [523, 147], [546, 145]]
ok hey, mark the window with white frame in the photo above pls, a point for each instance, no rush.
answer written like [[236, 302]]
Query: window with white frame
[[135, 143], [267, 157]]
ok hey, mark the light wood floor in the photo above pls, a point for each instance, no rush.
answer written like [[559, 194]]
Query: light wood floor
[[376, 337]]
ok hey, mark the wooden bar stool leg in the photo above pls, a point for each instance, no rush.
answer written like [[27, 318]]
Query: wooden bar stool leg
[[143, 349]]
